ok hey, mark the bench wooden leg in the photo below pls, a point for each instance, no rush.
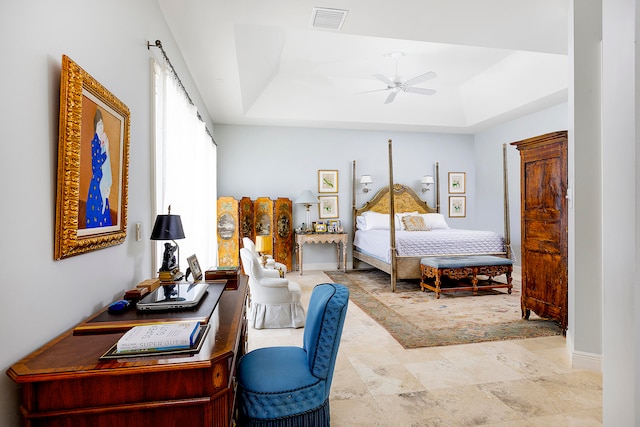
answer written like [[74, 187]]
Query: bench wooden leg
[[474, 281]]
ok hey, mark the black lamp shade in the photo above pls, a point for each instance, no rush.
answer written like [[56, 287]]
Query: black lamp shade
[[167, 227]]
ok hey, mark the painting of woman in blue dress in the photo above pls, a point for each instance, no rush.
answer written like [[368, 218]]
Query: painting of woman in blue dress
[[98, 212]]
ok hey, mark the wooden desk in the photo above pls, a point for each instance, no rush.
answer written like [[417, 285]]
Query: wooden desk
[[337, 238], [64, 384]]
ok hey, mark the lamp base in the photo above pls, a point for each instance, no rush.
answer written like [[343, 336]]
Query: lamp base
[[170, 275]]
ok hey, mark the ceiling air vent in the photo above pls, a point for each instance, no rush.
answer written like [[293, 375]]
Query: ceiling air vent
[[328, 19]]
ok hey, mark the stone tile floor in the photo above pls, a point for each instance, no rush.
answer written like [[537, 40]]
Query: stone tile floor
[[507, 383]]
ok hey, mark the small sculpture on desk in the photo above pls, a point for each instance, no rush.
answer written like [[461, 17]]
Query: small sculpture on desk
[[169, 259], [170, 271]]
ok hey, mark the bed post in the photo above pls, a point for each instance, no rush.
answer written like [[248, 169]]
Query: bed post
[[354, 188], [392, 220], [437, 187], [507, 226]]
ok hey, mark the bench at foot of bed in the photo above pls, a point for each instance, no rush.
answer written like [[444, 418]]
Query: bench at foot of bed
[[465, 266]]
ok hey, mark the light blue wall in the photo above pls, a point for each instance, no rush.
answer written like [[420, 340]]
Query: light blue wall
[[273, 162], [258, 161], [489, 185], [107, 39]]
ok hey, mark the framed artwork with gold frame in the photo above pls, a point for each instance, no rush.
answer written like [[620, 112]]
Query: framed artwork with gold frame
[[327, 181], [457, 182], [457, 206], [328, 207], [93, 165]]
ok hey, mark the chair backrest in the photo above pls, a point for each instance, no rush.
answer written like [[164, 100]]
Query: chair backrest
[[323, 329], [248, 243], [251, 265]]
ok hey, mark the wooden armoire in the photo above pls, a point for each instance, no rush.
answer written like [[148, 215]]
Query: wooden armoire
[[544, 226]]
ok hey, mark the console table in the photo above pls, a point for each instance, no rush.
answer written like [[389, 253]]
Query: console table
[[64, 383], [340, 239]]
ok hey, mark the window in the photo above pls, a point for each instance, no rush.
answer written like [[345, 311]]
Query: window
[[185, 170]]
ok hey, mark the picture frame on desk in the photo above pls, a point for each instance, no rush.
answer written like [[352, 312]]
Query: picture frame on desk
[[334, 226], [319, 227], [194, 268]]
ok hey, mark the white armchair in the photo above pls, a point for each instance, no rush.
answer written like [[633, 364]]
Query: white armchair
[[275, 301], [271, 263]]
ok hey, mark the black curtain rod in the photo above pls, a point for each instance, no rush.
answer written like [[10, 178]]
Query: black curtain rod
[[158, 44]]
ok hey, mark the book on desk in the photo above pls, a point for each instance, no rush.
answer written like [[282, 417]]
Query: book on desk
[[159, 336]]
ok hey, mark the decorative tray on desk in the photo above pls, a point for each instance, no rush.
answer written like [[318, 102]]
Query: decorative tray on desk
[[112, 353]]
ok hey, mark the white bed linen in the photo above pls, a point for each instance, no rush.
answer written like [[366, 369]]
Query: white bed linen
[[449, 241]]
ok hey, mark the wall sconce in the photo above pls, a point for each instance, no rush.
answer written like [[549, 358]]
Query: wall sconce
[[366, 180], [426, 182]]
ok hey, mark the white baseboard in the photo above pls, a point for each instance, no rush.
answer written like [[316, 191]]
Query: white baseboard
[[587, 361]]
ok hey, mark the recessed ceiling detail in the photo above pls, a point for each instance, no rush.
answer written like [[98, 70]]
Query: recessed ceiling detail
[[496, 60], [328, 19], [397, 85]]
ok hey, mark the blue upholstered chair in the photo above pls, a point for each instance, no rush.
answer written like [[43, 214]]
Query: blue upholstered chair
[[289, 386]]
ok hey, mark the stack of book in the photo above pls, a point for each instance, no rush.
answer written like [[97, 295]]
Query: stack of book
[[159, 337], [170, 275]]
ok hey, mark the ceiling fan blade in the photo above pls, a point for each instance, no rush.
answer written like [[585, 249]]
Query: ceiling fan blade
[[384, 79], [391, 97], [421, 78], [420, 90], [370, 91]]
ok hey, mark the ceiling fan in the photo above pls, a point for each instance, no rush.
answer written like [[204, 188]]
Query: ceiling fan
[[396, 85]]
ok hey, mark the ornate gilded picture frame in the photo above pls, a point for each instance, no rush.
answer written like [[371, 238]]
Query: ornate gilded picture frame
[[93, 165]]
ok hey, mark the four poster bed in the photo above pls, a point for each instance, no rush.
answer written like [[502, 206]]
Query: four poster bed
[[396, 229]]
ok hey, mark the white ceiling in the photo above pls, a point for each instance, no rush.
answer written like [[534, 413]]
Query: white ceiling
[[261, 62]]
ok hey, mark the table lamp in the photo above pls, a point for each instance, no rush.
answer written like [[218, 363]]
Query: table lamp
[[307, 199], [169, 227], [264, 245]]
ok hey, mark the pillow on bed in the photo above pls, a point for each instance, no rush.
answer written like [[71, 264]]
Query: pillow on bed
[[399, 217], [414, 223], [361, 222], [377, 221], [434, 221]]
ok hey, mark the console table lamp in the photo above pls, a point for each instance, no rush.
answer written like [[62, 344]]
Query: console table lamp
[[169, 227], [264, 245], [307, 199]]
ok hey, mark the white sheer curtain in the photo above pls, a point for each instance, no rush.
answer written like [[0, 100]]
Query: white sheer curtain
[[185, 171]]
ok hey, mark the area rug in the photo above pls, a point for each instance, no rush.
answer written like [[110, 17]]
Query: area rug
[[417, 319]]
